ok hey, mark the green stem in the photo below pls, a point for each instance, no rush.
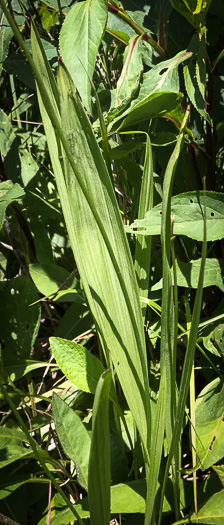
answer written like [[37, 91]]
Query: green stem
[[124, 16]]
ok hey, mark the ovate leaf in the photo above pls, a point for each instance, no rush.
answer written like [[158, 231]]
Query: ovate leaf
[[211, 513], [19, 322], [210, 424], [220, 472], [187, 210], [48, 278], [188, 274], [81, 367], [79, 41], [73, 436], [9, 192]]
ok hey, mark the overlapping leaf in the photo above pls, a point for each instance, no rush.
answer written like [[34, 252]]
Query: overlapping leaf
[[79, 48], [187, 211]]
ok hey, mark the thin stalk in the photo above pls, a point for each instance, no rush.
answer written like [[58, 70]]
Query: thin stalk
[[124, 16], [14, 98], [177, 456], [187, 368], [192, 413], [34, 447]]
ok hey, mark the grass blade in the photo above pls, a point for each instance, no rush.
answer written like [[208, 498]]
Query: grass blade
[[99, 460]]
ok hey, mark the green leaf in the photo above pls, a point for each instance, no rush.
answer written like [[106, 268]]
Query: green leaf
[[20, 369], [209, 424], [99, 460], [9, 192], [73, 436], [48, 18], [7, 134], [48, 278], [195, 73], [188, 274], [213, 337], [126, 498], [220, 472], [79, 48], [11, 446], [81, 367], [187, 209], [158, 93], [96, 234], [19, 322], [211, 513], [194, 10], [131, 72]]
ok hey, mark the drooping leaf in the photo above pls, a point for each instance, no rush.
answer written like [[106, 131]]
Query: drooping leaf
[[195, 73], [11, 446], [79, 48], [187, 210], [210, 424], [99, 459], [188, 273], [23, 367], [81, 367], [161, 81], [48, 278], [9, 192], [130, 74], [73, 436], [19, 322]]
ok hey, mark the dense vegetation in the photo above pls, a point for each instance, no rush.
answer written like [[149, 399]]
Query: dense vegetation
[[112, 262]]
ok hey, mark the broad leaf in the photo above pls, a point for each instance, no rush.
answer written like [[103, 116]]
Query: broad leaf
[[131, 72], [99, 459], [187, 210], [81, 367], [220, 472], [19, 322], [188, 274], [48, 278], [11, 446], [162, 79], [73, 436], [209, 424], [9, 192], [211, 513], [194, 11], [79, 48]]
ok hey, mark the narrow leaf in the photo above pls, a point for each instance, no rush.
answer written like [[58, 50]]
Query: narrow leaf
[[99, 460]]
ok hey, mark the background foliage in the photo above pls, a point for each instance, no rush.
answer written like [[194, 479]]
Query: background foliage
[[111, 307]]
